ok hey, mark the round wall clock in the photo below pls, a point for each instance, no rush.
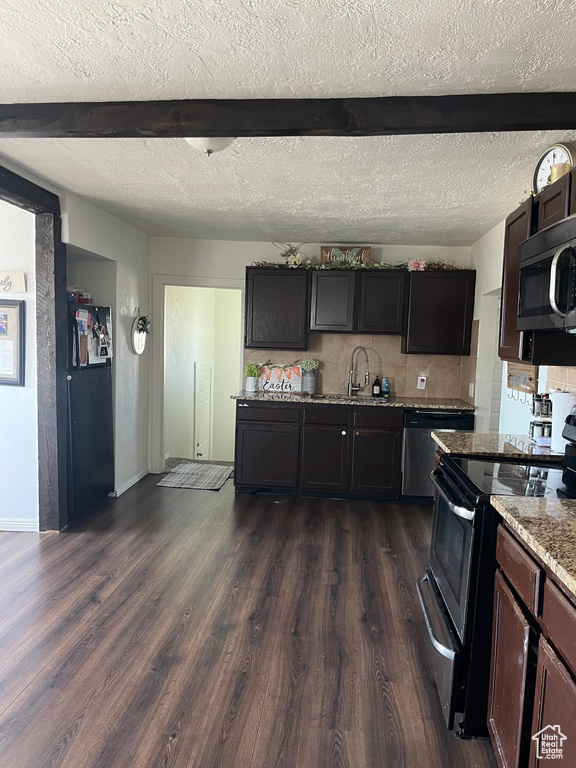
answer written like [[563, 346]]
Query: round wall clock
[[138, 337], [557, 153]]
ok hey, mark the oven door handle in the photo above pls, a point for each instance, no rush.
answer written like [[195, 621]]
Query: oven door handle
[[448, 653], [464, 512]]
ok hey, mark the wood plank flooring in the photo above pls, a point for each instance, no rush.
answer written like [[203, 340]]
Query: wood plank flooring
[[193, 629]]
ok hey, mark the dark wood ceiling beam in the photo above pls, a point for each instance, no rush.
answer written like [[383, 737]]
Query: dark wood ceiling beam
[[469, 113], [18, 191]]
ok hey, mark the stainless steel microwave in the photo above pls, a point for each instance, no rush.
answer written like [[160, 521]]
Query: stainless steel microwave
[[547, 297]]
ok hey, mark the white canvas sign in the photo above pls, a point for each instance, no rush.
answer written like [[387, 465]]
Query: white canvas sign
[[281, 378], [12, 282]]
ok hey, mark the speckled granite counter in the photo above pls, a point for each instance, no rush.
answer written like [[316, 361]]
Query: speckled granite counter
[[394, 402], [548, 527], [492, 444]]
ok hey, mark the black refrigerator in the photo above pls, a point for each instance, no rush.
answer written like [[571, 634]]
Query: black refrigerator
[[90, 415]]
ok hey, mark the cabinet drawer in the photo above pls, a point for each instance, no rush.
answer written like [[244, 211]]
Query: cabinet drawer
[[520, 569], [559, 619], [325, 415], [379, 417], [281, 413]]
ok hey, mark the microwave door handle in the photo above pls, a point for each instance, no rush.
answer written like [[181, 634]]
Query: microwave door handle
[[463, 512], [553, 279]]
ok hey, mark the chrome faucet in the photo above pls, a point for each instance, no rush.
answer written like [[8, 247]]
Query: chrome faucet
[[356, 387]]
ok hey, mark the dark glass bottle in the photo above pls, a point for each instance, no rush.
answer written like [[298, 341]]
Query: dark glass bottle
[[376, 388]]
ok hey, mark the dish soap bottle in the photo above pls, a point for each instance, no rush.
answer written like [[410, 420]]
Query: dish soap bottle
[[385, 389], [376, 389]]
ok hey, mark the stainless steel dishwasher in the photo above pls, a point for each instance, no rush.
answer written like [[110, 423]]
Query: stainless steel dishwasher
[[419, 448]]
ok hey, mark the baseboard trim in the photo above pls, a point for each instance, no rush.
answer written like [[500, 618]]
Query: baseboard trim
[[14, 524], [123, 488]]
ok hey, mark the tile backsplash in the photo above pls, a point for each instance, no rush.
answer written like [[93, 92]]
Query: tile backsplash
[[449, 376], [561, 377]]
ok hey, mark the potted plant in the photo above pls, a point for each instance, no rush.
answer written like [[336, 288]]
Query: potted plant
[[309, 368], [252, 372]]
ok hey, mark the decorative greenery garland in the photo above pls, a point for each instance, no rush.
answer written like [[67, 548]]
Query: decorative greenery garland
[[294, 257]]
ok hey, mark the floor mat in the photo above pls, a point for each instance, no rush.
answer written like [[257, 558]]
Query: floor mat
[[204, 477]]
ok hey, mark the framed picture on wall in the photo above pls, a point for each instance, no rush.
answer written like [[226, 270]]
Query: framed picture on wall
[[12, 342]]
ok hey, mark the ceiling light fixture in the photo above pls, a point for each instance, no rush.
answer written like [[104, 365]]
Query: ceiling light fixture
[[211, 144]]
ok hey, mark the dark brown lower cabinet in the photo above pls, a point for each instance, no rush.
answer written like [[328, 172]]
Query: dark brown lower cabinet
[[513, 639], [325, 458], [323, 449], [555, 712], [267, 455], [376, 457]]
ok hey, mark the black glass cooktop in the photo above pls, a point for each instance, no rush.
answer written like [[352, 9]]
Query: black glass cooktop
[[485, 477]]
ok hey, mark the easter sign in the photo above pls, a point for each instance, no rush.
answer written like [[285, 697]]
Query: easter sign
[[281, 378]]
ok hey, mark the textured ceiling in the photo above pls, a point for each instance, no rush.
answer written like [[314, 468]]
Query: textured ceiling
[[411, 189]]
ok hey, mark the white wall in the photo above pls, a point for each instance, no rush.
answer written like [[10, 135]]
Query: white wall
[[93, 231], [200, 324], [486, 257], [228, 344], [18, 405], [188, 338], [225, 258]]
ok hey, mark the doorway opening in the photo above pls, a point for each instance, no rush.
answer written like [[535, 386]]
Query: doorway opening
[[202, 359]]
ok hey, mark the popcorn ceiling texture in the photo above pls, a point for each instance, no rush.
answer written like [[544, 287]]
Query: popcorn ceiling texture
[[409, 189], [86, 50]]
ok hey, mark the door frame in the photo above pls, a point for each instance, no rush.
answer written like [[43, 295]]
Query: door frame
[[156, 422], [51, 344]]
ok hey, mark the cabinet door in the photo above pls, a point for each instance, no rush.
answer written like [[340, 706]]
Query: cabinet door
[[333, 302], [266, 455], [276, 308], [554, 710], [572, 206], [325, 458], [376, 456], [512, 638], [518, 228], [553, 203], [381, 306], [440, 311]]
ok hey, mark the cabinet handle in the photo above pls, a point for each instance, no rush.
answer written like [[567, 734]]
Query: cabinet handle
[[357, 433], [343, 431], [243, 405]]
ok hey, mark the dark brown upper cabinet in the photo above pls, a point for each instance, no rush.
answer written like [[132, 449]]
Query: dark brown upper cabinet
[[333, 301], [572, 205], [362, 301], [512, 343], [440, 309], [382, 301], [276, 308], [553, 203]]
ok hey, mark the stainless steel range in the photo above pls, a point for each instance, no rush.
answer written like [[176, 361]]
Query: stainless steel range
[[456, 592]]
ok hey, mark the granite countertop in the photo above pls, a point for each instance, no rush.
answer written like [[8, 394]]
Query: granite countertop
[[336, 399], [492, 444], [548, 528]]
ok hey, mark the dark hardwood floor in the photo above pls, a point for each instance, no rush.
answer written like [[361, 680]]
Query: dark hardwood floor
[[193, 629]]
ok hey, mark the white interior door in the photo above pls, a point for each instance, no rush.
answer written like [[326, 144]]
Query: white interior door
[[203, 409]]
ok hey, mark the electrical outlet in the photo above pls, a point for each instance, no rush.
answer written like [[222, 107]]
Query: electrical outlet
[[470, 390], [421, 384]]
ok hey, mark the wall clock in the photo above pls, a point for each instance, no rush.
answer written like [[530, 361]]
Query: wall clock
[[557, 153]]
